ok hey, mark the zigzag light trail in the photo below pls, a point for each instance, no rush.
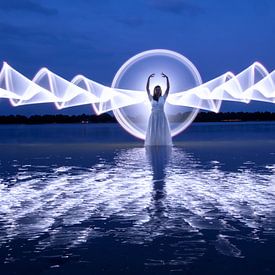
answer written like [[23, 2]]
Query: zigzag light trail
[[48, 87], [243, 87]]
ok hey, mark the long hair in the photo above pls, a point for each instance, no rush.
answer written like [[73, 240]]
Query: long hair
[[155, 96]]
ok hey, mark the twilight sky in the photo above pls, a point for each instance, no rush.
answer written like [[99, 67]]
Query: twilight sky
[[95, 37]]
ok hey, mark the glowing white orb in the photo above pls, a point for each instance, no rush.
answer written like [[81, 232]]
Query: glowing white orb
[[133, 75]]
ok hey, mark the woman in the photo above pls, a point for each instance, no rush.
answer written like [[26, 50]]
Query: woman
[[158, 129]]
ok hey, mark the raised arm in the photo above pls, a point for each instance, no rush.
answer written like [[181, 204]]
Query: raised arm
[[148, 86], [167, 85]]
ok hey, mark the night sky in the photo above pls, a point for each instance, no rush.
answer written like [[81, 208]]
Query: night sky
[[95, 38]]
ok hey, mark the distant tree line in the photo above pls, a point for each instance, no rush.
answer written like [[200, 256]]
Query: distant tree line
[[107, 118], [232, 116], [46, 119]]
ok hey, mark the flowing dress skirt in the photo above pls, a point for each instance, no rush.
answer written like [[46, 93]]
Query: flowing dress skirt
[[158, 129]]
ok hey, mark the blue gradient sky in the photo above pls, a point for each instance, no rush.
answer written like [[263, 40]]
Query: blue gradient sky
[[94, 38]]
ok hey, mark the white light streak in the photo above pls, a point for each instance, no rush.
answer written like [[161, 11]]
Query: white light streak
[[254, 83], [243, 87]]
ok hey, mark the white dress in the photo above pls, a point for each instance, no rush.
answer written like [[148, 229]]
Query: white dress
[[158, 129]]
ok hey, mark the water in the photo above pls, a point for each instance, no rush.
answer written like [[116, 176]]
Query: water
[[89, 199]]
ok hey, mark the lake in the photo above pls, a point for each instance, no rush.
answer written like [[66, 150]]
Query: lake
[[90, 199]]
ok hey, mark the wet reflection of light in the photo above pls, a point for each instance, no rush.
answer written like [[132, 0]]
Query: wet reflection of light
[[143, 195]]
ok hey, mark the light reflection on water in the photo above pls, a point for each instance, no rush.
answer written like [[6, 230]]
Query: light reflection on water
[[136, 198]]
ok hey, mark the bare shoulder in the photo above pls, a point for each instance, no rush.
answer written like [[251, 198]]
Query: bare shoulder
[[164, 97]]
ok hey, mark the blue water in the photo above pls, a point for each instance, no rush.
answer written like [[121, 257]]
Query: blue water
[[89, 199]]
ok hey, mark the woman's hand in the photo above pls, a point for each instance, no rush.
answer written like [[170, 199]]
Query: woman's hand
[[151, 75], [164, 75]]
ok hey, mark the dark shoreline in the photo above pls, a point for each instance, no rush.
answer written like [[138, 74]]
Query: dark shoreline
[[234, 117], [107, 118]]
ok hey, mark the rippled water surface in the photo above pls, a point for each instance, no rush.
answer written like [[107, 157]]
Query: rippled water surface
[[89, 199]]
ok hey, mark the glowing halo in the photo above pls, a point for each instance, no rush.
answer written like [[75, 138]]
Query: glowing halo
[[183, 76], [127, 97]]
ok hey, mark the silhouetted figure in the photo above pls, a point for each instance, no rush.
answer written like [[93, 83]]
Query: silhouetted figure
[[158, 129]]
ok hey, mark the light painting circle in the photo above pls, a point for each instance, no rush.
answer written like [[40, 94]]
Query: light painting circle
[[133, 75]]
